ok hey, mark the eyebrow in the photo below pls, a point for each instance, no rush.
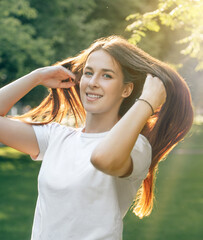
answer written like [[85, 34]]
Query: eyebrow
[[103, 69]]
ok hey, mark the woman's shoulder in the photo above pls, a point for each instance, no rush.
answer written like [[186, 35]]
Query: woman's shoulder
[[142, 142], [55, 128], [58, 127]]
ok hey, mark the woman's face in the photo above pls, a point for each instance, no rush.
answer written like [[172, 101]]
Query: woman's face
[[101, 85]]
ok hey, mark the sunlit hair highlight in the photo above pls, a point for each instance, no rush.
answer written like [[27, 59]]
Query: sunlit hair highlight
[[164, 129]]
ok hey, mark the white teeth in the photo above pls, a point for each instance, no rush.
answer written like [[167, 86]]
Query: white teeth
[[93, 96]]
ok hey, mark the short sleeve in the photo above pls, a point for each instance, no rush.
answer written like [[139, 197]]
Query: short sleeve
[[141, 156], [43, 134]]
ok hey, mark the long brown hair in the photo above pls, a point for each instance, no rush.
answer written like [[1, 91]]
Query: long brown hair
[[164, 129]]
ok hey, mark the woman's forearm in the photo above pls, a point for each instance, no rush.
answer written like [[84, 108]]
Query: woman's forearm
[[112, 153], [13, 92]]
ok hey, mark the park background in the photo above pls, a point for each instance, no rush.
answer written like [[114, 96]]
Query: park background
[[35, 33]]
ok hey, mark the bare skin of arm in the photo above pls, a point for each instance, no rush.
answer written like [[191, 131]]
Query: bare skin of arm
[[112, 154], [17, 134]]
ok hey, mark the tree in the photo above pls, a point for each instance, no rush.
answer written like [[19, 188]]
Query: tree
[[114, 14], [67, 25], [175, 14], [20, 48]]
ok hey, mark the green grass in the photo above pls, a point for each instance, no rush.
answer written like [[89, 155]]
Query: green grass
[[18, 191], [178, 210]]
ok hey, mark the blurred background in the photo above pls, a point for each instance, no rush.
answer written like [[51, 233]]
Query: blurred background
[[35, 33]]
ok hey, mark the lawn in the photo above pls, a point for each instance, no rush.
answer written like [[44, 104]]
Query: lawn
[[178, 210], [18, 191]]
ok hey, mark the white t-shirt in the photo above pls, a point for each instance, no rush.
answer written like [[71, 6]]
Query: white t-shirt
[[77, 201]]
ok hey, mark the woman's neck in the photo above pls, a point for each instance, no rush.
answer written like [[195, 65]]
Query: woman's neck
[[96, 123]]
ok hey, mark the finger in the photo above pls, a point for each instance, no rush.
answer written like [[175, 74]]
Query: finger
[[67, 71], [66, 84], [149, 75], [71, 74]]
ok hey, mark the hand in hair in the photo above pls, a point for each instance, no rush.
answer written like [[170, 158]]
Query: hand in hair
[[154, 91], [55, 77]]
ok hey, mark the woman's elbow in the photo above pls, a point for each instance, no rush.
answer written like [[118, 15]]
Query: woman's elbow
[[105, 164], [99, 161]]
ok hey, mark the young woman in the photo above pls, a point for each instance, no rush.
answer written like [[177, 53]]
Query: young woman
[[135, 109]]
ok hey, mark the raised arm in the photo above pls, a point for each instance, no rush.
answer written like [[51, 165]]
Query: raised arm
[[15, 133], [112, 155]]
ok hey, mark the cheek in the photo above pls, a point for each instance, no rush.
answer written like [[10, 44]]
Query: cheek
[[83, 84], [114, 89]]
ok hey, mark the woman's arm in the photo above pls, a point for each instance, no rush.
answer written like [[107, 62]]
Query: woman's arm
[[112, 155], [15, 133]]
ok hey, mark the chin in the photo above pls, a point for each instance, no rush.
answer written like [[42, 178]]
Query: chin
[[92, 111]]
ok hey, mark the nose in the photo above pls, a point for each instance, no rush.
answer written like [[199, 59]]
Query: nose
[[93, 81]]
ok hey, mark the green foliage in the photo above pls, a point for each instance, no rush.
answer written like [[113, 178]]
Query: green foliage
[[114, 14], [20, 48], [177, 15], [65, 24]]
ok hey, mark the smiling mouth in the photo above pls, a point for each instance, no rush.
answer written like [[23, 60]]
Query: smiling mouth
[[93, 96]]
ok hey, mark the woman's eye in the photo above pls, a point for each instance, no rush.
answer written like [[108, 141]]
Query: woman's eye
[[88, 73], [107, 76]]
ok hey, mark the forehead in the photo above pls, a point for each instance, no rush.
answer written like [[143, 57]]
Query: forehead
[[100, 59]]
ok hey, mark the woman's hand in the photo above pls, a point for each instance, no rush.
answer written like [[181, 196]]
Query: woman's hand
[[54, 77], [154, 91]]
